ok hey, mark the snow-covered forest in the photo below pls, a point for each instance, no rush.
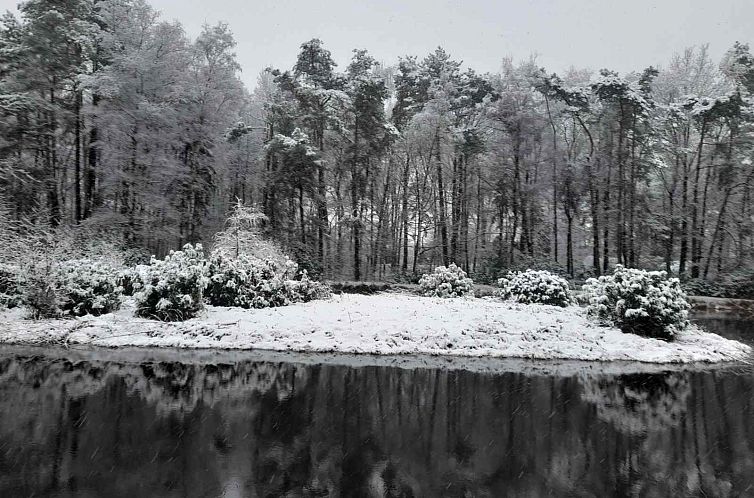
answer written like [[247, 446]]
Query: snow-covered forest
[[114, 121]]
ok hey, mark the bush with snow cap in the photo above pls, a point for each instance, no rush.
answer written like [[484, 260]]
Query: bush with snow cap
[[641, 302], [171, 289], [249, 282], [130, 276], [535, 286], [450, 281], [304, 289], [87, 287]]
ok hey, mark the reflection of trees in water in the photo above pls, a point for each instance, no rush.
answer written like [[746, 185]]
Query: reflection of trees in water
[[171, 387], [684, 431], [639, 403], [120, 415], [280, 428]]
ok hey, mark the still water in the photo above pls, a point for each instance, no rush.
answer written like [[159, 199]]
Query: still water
[[91, 423]]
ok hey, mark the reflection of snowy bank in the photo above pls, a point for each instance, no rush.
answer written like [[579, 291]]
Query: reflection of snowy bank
[[485, 365], [386, 324], [170, 386]]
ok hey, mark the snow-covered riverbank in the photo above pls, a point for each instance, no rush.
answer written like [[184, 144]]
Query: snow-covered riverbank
[[383, 324]]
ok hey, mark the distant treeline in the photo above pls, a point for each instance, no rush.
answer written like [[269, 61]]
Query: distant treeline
[[113, 118]]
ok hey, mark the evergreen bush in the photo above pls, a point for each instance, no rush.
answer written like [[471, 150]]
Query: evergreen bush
[[640, 302], [449, 281], [171, 289], [535, 286], [87, 287], [252, 283]]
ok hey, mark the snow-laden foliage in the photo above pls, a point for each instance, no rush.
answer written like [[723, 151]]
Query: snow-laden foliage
[[39, 254], [450, 281], [171, 289], [252, 283], [245, 282], [640, 302], [38, 260], [87, 287], [242, 236], [304, 289], [128, 276], [11, 286], [535, 286], [73, 287]]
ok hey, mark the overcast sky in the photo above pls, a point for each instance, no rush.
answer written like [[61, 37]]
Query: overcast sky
[[622, 35]]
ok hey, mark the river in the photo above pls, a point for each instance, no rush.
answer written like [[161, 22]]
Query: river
[[100, 423]]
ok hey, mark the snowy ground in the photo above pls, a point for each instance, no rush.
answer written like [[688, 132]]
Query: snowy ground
[[387, 324]]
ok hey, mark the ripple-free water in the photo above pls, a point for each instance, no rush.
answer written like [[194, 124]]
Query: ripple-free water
[[92, 425]]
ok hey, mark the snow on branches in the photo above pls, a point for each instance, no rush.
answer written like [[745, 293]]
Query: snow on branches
[[640, 302], [171, 289], [246, 282], [450, 281], [535, 286]]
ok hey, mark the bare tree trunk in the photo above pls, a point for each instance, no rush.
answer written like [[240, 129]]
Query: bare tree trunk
[[404, 213], [356, 206], [670, 241], [454, 207], [718, 230], [695, 241], [90, 184], [377, 247], [629, 244], [465, 212], [301, 213], [78, 212], [53, 199], [594, 197], [340, 214], [569, 242], [684, 220], [481, 222], [620, 197], [554, 179], [606, 230], [441, 201], [322, 216], [516, 202]]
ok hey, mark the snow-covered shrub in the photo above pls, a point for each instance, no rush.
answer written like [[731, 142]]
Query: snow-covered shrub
[[171, 289], [87, 287], [40, 251], [248, 270], [640, 302], [244, 282], [129, 276], [305, 289], [535, 286], [448, 281], [39, 261], [251, 283], [40, 296], [11, 286]]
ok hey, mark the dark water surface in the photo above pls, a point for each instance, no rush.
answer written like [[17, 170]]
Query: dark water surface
[[90, 423]]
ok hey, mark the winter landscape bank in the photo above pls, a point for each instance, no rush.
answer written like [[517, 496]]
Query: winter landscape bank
[[390, 324]]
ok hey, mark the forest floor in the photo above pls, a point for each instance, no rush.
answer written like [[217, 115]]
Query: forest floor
[[385, 323]]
